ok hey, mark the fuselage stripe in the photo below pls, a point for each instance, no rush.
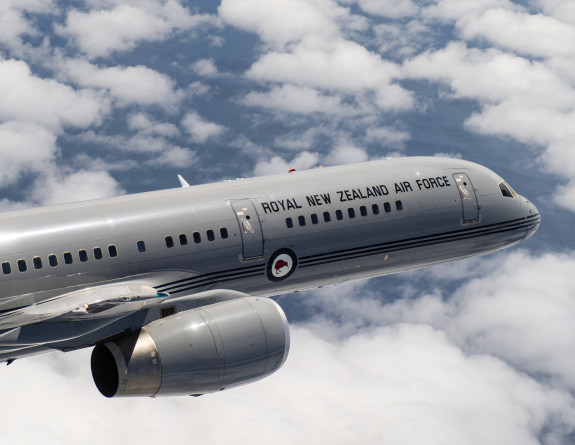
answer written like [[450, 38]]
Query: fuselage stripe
[[187, 284], [447, 235], [420, 241], [397, 248]]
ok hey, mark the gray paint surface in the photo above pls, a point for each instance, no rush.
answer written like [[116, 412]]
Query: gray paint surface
[[262, 237]]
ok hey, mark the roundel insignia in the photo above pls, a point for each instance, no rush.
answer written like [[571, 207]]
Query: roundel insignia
[[281, 265]]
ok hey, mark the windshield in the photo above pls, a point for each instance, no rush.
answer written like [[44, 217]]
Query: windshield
[[506, 190]]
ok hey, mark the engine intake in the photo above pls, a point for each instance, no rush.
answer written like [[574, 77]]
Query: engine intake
[[195, 352]]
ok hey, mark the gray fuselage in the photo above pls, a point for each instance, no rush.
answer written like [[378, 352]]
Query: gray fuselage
[[335, 224]]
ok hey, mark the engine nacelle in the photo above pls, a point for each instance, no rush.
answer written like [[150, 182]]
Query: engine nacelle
[[195, 352]]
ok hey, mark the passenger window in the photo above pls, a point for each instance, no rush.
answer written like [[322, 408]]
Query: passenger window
[[387, 207], [37, 261], [68, 258], [375, 209], [326, 216], [98, 253], [112, 251], [141, 246], [22, 266], [339, 215], [6, 268], [301, 220], [169, 242], [399, 205], [197, 237], [351, 212], [289, 223], [314, 219], [224, 233], [83, 256], [183, 239], [52, 260], [363, 211], [211, 235]]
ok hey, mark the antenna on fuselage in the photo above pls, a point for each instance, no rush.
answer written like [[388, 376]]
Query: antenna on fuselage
[[183, 181]]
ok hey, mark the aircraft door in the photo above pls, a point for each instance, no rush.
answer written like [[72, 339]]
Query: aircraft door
[[250, 228], [468, 197]]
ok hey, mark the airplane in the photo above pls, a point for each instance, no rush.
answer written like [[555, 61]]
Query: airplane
[[171, 287]]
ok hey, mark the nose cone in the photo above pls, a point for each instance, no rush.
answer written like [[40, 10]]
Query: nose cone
[[532, 218]]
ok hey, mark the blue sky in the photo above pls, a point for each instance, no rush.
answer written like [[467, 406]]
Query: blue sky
[[105, 97]]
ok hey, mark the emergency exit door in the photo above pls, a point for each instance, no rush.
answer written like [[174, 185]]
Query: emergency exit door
[[470, 207], [250, 228]]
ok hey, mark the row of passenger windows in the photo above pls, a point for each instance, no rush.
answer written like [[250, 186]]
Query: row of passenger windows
[[351, 213], [98, 253], [53, 260], [183, 239]]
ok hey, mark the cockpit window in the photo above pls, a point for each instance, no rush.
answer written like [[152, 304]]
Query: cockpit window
[[507, 191]]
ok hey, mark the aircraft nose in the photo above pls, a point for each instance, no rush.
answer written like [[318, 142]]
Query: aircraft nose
[[532, 217], [530, 208]]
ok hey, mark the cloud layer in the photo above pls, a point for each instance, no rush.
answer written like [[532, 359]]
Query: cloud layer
[[462, 369], [103, 97]]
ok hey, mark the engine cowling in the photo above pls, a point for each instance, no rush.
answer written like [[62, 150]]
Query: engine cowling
[[195, 352]]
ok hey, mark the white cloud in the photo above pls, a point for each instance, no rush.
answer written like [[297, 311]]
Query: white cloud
[[12, 24], [277, 164], [297, 140], [387, 136], [24, 147], [97, 33], [58, 188], [536, 35], [403, 39], [389, 8], [338, 65], [526, 100], [200, 129], [144, 124], [399, 384], [15, 21], [311, 49], [439, 367], [515, 307], [155, 149], [100, 32], [563, 10], [88, 162], [283, 21], [30, 98], [205, 67], [295, 99], [564, 195], [529, 125], [173, 11], [145, 148], [463, 11], [175, 157], [492, 76], [129, 85], [346, 153], [198, 89]]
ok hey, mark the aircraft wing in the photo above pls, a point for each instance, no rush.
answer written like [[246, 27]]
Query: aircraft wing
[[97, 306]]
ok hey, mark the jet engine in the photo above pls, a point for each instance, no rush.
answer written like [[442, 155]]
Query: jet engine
[[195, 352]]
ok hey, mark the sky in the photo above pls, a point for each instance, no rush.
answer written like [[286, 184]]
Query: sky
[[105, 97]]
